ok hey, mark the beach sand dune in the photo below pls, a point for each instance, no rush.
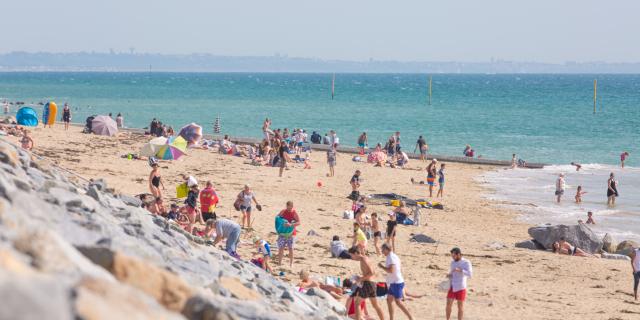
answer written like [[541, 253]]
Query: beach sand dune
[[508, 283]]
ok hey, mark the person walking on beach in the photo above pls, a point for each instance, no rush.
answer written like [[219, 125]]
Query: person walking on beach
[[331, 160], [355, 186], [635, 268], [227, 229], [395, 281], [560, 185], [245, 197], [208, 201], [421, 145], [441, 181], [612, 190], [293, 220], [363, 141], [431, 175], [283, 153], [119, 121], [155, 180], [623, 157], [366, 287], [66, 116], [459, 271]]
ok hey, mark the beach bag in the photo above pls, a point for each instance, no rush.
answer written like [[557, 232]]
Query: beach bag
[[347, 214], [182, 190], [237, 203], [281, 228], [401, 217]]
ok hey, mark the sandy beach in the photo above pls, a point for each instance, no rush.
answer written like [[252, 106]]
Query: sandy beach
[[508, 283]]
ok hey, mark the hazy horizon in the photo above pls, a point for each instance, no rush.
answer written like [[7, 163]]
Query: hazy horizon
[[469, 31]]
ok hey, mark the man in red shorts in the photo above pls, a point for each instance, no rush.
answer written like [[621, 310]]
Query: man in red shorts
[[459, 271]]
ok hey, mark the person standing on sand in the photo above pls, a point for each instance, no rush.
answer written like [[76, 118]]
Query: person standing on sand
[[208, 201], [245, 197], [331, 160], [155, 181], [66, 116], [283, 242], [395, 281], [623, 157], [283, 153], [355, 186], [266, 130], [366, 287], [396, 141], [560, 185], [635, 267], [119, 121], [421, 145], [231, 231], [441, 181], [459, 271], [431, 175], [612, 190], [363, 141]]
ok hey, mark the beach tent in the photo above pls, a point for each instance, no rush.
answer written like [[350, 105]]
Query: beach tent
[[104, 126], [151, 148], [26, 116], [192, 133]]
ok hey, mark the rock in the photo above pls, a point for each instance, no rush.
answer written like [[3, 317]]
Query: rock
[[626, 246], [608, 243], [92, 191], [494, 246], [238, 290], [422, 238], [313, 233], [614, 256], [34, 297], [578, 235], [336, 306], [100, 184], [286, 295], [530, 244], [132, 201], [167, 288], [199, 308], [98, 299], [8, 155]]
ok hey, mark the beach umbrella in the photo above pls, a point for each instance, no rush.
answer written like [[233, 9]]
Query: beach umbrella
[[152, 147], [216, 125], [104, 126], [174, 149], [192, 133]]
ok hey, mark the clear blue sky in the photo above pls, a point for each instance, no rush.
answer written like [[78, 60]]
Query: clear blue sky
[[473, 30]]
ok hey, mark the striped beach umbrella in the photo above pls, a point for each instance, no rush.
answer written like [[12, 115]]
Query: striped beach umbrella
[[216, 125], [192, 133], [173, 150]]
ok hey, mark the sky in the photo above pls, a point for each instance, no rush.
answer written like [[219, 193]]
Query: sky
[[552, 31]]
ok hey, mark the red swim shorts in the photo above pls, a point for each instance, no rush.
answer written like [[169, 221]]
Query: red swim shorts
[[458, 295]]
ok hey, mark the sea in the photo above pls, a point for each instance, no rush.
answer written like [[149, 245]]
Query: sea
[[542, 118]]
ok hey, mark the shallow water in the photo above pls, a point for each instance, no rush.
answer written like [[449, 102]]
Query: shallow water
[[543, 118], [532, 192]]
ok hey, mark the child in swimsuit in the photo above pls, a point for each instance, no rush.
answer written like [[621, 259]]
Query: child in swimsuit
[[579, 194], [27, 142], [375, 227]]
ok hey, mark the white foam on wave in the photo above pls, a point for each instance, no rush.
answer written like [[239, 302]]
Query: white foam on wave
[[531, 191]]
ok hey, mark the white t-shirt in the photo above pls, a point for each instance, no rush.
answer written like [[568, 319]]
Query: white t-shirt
[[396, 275], [191, 181], [636, 260]]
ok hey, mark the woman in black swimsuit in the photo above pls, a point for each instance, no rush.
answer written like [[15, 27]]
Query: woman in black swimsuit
[[155, 181], [66, 116], [612, 190]]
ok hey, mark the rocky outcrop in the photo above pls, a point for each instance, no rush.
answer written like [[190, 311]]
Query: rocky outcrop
[[530, 244], [625, 247], [608, 244], [70, 251], [578, 235]]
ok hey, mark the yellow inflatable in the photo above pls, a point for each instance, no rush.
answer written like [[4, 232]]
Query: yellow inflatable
[[49, 113]]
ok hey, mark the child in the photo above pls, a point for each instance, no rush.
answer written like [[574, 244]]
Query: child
[[307, 160], [440, 181], [173, 212], [376, 232], [579, 194], [191, 206], [331, 160], [590, 218], [264, 248], [359, 238]]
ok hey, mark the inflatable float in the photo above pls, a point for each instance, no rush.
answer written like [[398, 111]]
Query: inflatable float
[[49, 113]]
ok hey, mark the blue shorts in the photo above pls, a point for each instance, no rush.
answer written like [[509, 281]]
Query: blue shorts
[[396, 289], [361, 145], [299, 144]]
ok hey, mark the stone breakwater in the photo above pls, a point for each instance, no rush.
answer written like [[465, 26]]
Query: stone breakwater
[[75, 251]]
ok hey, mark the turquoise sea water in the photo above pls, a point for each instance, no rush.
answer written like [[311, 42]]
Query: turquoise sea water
[[542, 118]]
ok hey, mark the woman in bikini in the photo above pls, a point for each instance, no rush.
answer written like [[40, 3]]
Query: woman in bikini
[[563, 247], [155, 181]]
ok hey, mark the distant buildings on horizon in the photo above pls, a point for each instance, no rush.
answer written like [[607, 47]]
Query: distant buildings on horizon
[[145, 62]]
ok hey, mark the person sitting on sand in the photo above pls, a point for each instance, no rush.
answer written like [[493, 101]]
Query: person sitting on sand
[[26, 141], [230, 230], [366, 284], [577, 165], [155, 180], [590, 218], [564, 247], [307, 160], [264, 249], [579, 194], [158, 208], [359, 238], [174, 212], [338, 249]]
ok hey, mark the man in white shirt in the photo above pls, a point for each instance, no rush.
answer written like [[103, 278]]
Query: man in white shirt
[[459, 271], [635, 266], [395, 281], [560, 187]]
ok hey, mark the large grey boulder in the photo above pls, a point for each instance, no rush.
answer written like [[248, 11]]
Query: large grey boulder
[[530, 244], [578, 235], [609, 244], [626, 246]]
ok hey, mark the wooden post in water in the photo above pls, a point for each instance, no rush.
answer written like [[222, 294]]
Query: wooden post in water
[[430, 82], [595, 94], [333, 86]]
